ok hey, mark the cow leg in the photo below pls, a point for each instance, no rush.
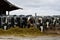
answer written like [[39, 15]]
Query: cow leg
[[41, 28]]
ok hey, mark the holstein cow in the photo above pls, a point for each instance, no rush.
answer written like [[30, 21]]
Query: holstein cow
[[23, 23], [30, 22], [57, 24], [10, 22], [4, 22], [54, 23], [18, 21], [46, 23], [40, 24]]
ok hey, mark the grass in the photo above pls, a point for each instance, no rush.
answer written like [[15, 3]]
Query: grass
[[23, 32]]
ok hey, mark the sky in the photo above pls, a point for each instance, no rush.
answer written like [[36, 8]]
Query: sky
[[41, 7]]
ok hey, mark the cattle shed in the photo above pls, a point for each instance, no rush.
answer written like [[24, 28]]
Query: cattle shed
[[5, 5]]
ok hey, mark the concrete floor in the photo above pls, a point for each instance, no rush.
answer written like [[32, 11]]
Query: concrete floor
[[30, 38]]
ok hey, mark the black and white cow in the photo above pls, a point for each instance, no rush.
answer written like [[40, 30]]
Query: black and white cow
[[10, 21], [4, 22], [23, 22], [30, 22]]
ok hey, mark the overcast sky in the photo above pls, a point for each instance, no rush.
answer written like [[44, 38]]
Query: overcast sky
[[41, 7]]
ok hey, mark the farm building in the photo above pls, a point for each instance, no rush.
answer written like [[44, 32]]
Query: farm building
[[5, 5]]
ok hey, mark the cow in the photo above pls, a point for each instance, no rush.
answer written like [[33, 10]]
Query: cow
[[30, 22], [23, 22]]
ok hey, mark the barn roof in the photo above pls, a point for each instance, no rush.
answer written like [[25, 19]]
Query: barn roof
[[7, 6]]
